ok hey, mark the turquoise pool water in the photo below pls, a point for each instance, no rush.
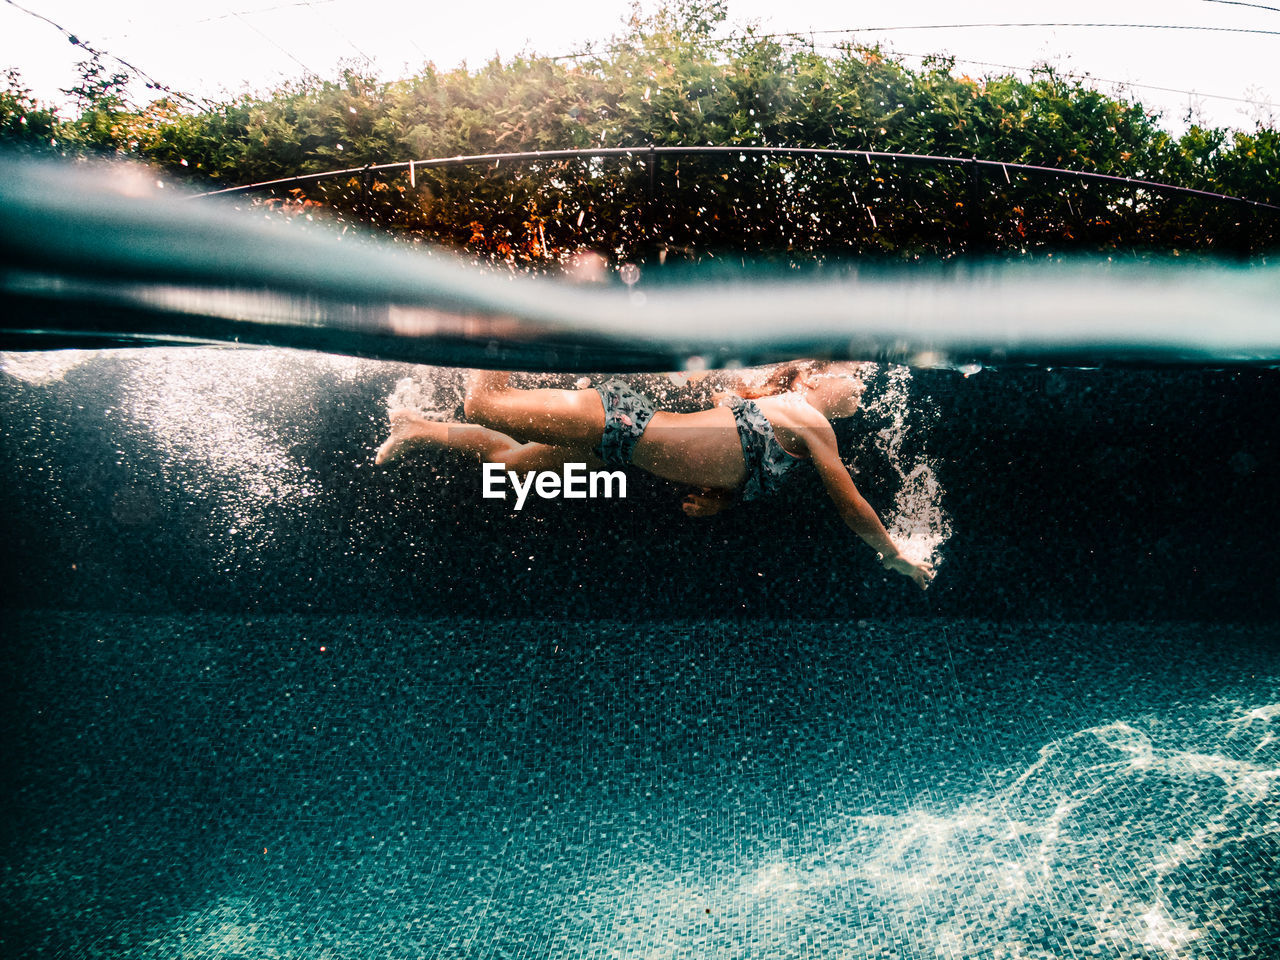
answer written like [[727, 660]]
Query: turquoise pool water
[[265, 699]]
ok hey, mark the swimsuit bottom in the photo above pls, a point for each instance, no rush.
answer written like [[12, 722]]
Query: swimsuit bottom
[[626, 414], [767, 462]]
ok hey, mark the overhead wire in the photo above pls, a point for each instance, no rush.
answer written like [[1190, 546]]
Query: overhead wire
[[794, 35], [1070, 75], [251, 13], [346, 38], [1240, 3], [311, 4], [279, 46], [750, 35], [155, 84], [97, 54], [235, 13], [799, 37], [969, 26]]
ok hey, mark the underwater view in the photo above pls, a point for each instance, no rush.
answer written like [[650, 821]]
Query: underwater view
[[596, 540], [270, 697]]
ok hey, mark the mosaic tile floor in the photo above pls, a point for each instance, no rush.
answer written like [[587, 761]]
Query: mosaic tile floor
[[266, 788]]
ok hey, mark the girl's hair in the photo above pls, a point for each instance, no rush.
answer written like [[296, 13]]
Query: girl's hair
[[782, 380]]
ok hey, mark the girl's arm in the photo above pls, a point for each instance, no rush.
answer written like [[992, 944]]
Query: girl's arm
[[853, 508]]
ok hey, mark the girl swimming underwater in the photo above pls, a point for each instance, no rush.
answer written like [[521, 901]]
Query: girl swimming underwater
[[748, 445]]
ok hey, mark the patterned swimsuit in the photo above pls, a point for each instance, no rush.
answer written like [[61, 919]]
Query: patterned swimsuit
[[767, 462], [627, 412]]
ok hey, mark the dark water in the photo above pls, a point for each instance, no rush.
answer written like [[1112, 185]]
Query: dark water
[[175, 480]]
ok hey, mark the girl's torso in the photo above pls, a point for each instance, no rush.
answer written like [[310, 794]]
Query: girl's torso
[[703, 449]]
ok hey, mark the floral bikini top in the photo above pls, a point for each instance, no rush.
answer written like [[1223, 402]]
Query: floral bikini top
[[768, 464]]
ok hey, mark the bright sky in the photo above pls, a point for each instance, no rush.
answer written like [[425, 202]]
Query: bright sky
[[219, 47]]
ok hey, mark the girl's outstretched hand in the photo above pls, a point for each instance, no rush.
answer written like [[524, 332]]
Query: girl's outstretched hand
[[921, 573], [707, 502]]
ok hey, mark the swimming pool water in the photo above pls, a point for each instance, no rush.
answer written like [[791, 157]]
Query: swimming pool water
[[225, 786], [264, 700]]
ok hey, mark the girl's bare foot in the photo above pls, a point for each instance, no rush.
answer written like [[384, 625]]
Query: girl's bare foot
[[407, 426]]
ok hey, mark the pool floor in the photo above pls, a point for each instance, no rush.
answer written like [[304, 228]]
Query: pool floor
[[218, 786]]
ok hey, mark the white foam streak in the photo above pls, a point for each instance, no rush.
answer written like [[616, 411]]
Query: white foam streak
[[206, 412], [917, 521], [45, 367], [423, 394]]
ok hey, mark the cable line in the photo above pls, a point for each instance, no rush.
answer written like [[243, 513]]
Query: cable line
[[1078, 76], [1122, 26], [649, 154], [136, 71], [253, 13], [800, 34], [278, 46], [1239, 3]]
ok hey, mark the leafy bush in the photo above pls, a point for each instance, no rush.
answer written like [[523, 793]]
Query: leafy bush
[[667, 80]]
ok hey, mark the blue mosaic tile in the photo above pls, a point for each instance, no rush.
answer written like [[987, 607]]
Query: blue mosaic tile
[[216, 786]]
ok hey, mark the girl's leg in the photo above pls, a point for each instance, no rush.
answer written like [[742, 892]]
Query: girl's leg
[[563, 418], [410, 429]]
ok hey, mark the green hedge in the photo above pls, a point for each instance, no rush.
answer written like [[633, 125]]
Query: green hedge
[[667, 80]]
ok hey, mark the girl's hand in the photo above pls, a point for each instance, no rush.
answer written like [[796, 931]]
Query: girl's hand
[[707, 502], [921, 573]]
